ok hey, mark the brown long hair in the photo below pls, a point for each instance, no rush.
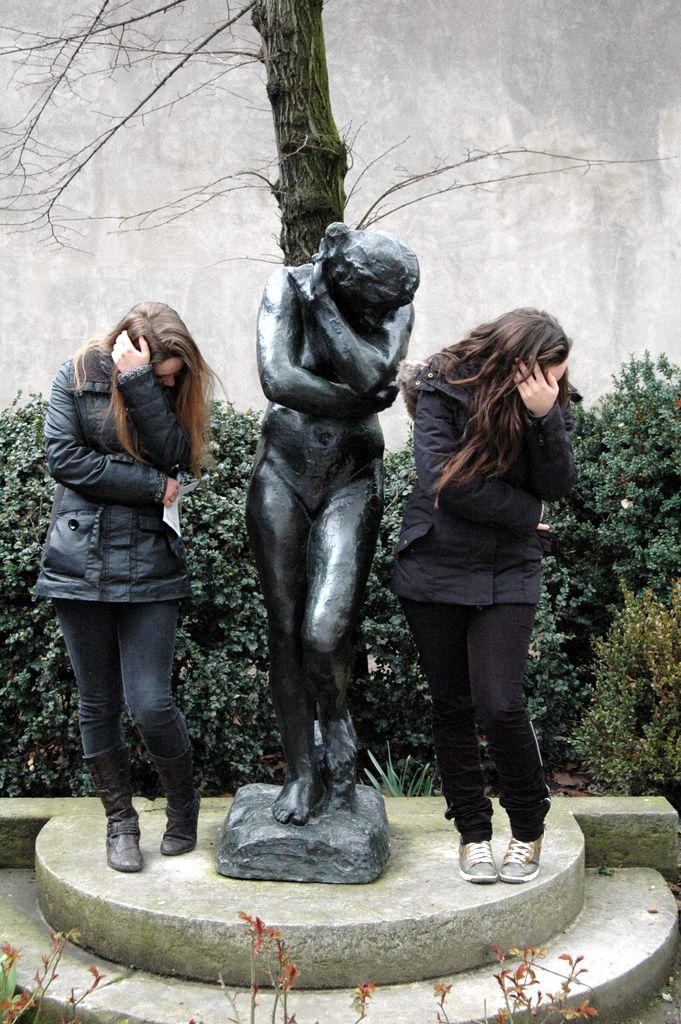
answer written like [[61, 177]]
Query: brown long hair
[[484, 364], [167, 337]]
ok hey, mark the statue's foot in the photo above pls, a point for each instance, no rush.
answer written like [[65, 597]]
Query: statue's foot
[[298, 800], [340, 757], [342, 795]]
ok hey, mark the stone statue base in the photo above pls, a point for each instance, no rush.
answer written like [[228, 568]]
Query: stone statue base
[[350, 846]]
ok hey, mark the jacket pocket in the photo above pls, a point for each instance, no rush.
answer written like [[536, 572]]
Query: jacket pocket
[[73, 543], [154, 554], [409, 537]]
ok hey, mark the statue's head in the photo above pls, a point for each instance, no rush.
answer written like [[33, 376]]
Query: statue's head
[[368, 270]]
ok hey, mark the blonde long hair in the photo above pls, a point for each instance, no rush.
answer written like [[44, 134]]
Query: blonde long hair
[[167, 336]]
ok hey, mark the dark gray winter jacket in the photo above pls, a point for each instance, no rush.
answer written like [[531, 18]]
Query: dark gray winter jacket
[[107, 540], [480, 545]]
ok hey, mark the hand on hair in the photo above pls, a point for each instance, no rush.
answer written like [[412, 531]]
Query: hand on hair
[[538, 390], [126, 356]]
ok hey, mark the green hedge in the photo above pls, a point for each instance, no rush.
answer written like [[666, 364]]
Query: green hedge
[[621, 522], [632, 730], [621, 525], [221, 665]]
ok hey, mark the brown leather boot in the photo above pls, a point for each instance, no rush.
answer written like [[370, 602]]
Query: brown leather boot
[[111, 775], [183, 801]]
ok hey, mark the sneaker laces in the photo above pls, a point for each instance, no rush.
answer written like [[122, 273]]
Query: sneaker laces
[[518, 852], [479, 853]]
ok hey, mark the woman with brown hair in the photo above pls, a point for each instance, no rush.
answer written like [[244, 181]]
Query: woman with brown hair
[[126, 415], [492, 428]]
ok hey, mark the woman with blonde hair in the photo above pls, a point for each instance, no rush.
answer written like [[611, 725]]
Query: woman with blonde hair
[[492, 428], [127, 414]]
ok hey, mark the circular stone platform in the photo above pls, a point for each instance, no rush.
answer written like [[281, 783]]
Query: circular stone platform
[[418, 920]]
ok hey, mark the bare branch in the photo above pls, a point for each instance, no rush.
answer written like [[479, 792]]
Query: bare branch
[[47, 96], [74, 163], [372, 163], [192, 92], [88, 33], [378, 211], [271, 260], [190, 201], [39, 174]]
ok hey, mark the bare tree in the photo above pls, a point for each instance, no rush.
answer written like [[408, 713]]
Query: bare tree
[[120, 42], [312, 157]]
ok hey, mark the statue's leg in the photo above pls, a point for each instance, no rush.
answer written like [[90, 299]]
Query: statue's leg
[[340, 551], [278, 527]]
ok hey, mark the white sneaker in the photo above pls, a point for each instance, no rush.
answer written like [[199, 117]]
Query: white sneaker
[[476, 863], [521, 861]]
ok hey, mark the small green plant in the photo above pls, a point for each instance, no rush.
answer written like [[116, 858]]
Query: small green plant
[[361, 997], [9, 999], [392, 783], [16, 1003]]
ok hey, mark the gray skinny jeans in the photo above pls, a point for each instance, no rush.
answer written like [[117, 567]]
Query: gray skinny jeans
[[122, 654]]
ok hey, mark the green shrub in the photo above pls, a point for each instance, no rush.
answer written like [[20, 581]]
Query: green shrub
[[220, 669], [621, 522], [221, 665], [627, 450], [632, 731], [389, 697], [620, 525], [36, 690]]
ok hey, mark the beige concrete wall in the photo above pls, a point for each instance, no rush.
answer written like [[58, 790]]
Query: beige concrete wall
[[599, 250]]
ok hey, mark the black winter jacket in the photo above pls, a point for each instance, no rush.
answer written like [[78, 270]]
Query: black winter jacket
[[107, 540], [480, 546]]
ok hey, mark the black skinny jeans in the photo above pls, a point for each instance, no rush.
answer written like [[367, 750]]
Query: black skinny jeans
[[122, 654], [474, 661]]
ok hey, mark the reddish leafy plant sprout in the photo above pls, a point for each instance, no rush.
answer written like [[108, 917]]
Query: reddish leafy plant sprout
[[16, 1002], [523, 998]]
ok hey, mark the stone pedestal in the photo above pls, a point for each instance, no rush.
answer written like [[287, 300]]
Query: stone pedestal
[[346, 846], [418, 920]]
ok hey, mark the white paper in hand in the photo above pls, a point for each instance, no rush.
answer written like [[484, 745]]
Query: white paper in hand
[[171, 515]]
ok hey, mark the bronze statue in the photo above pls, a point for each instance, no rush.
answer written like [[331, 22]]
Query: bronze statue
[[330, 337]]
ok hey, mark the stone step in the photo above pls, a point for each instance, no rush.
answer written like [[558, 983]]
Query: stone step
[[627, 933], [418, 920]]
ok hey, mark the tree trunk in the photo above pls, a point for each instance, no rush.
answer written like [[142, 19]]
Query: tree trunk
[[312, 156]]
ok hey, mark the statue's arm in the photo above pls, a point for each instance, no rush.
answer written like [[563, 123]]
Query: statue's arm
[[368, 364], [282, 378]]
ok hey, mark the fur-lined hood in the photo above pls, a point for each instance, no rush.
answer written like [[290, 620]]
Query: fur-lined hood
[[96, 372], [407, 375], [415, 375]]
